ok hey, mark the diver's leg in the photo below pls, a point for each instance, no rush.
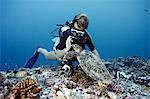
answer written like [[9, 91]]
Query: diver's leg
[[32, 60], [52, 55]]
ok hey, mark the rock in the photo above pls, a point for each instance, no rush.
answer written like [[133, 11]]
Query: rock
[[81, 78], [142, 80], [45, 94], [2, 96], [87, 96], [43, 97], [148, 69], [27, 86], [148, 85], [112, 95], [38, 70], [122, 75], [80, 85], [21, 74], [60, 94], [49, 82], [146, 89], [66, 91], [2, 79], [66, 70]]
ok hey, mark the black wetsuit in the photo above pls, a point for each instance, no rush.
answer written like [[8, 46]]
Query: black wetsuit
[[80, 40]]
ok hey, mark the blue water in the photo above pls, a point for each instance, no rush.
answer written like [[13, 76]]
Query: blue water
[[118, 27]]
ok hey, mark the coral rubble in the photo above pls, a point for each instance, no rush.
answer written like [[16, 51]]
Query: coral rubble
[[130, 80]]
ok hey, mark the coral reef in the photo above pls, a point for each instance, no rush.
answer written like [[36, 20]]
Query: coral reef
[[80, 77], [1, 79], [25, 89], [21, 74], [130, 80]]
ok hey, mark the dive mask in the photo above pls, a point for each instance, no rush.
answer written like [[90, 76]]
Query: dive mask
[[77, 32]]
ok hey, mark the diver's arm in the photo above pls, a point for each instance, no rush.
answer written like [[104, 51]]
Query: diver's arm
[[96, 53], [91, 46]]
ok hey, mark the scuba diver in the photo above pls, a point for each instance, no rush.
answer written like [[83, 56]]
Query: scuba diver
[[71, 33]]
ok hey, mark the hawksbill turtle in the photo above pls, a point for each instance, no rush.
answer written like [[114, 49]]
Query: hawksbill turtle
[[90, 64]]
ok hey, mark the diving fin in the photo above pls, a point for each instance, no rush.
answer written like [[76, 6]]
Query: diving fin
[[32, 60]]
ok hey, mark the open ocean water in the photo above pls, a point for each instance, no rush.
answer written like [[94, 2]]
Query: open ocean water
[[118, 28]]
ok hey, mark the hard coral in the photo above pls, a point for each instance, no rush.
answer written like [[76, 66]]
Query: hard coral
[[81, 78], [25, 89], [114, 88]]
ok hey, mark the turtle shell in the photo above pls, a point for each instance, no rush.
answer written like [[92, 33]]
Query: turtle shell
[[92, 66]]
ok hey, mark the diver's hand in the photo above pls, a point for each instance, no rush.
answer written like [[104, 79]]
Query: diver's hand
[[68, 43], [70, 55]]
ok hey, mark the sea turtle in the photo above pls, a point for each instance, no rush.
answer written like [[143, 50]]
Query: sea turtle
[[90, 64]]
